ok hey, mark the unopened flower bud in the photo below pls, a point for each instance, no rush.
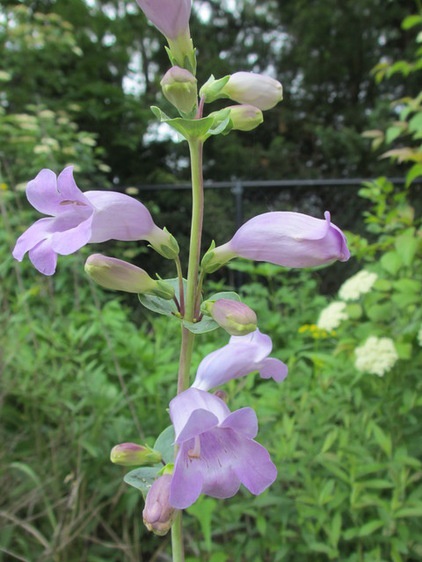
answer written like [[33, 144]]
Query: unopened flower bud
[[245, 117], [233, 316], [119, 275], [158, 514], [179, 87], [249, 88], [131, 454], [222, 395]]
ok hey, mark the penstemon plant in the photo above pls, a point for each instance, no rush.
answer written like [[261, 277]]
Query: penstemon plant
[[207, 449]]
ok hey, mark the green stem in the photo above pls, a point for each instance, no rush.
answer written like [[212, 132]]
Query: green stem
[[195, 148], [191, 299], [177, 539]]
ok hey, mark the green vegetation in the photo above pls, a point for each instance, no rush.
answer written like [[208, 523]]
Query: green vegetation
[[83, 369]]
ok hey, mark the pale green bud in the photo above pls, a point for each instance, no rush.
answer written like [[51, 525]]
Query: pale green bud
[[179, 87], [119, 275], [242, 117], [233, 316], [131, 454]]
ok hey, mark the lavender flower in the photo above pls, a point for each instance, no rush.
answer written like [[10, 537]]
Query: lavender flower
[[283, 238], [241, 356], [170, 17], [78, 218], [217, 452]]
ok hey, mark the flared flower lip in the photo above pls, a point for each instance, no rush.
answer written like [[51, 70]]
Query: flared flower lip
[[217, 452]]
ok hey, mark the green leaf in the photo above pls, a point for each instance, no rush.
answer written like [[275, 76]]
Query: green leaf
[[162, 306], [407, 245], [354, 311], [193, 128], [202, 510], [404, 350], [329, 440], [142, 478], [370, 528], [380, 312], [377, 483], [415, 511], [392, 133], [391, 262], [231, 295], [415, 124], [414, 172], [165, 444], [411, 21], [383, 440], [335, 530], [408, 286], [206, 324]]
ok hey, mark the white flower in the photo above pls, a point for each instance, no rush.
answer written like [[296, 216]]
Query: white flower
[[331, 317], [376, 356], [357, 285]]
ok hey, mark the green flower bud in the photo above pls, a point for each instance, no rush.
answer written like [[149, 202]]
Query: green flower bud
[[233, 316], [131, 454], [179, 87], [242, 117]]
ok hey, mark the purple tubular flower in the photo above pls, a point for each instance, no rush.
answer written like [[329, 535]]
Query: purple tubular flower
[[217, 452], [78, 218], [170, 17], [241, 356], [283, 238]]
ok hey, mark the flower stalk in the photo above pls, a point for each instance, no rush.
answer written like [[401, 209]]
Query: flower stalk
[[191, 299]]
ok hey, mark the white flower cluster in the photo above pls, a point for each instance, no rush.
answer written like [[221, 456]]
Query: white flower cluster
[[376, 356], [331, 316], [357, 285]]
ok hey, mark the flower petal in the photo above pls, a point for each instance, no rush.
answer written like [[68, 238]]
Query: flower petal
[[40, 230], [185, 404], [240, 357], [43, 258], [70, 234], [254, 468], [272, 368], [51, 195], [187, 481], [244, 421], [118, 217]]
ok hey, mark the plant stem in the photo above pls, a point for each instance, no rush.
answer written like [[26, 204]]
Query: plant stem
[[177, 539], [191, 300]]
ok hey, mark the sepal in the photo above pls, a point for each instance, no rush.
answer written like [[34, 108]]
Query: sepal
[[212, 89]]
